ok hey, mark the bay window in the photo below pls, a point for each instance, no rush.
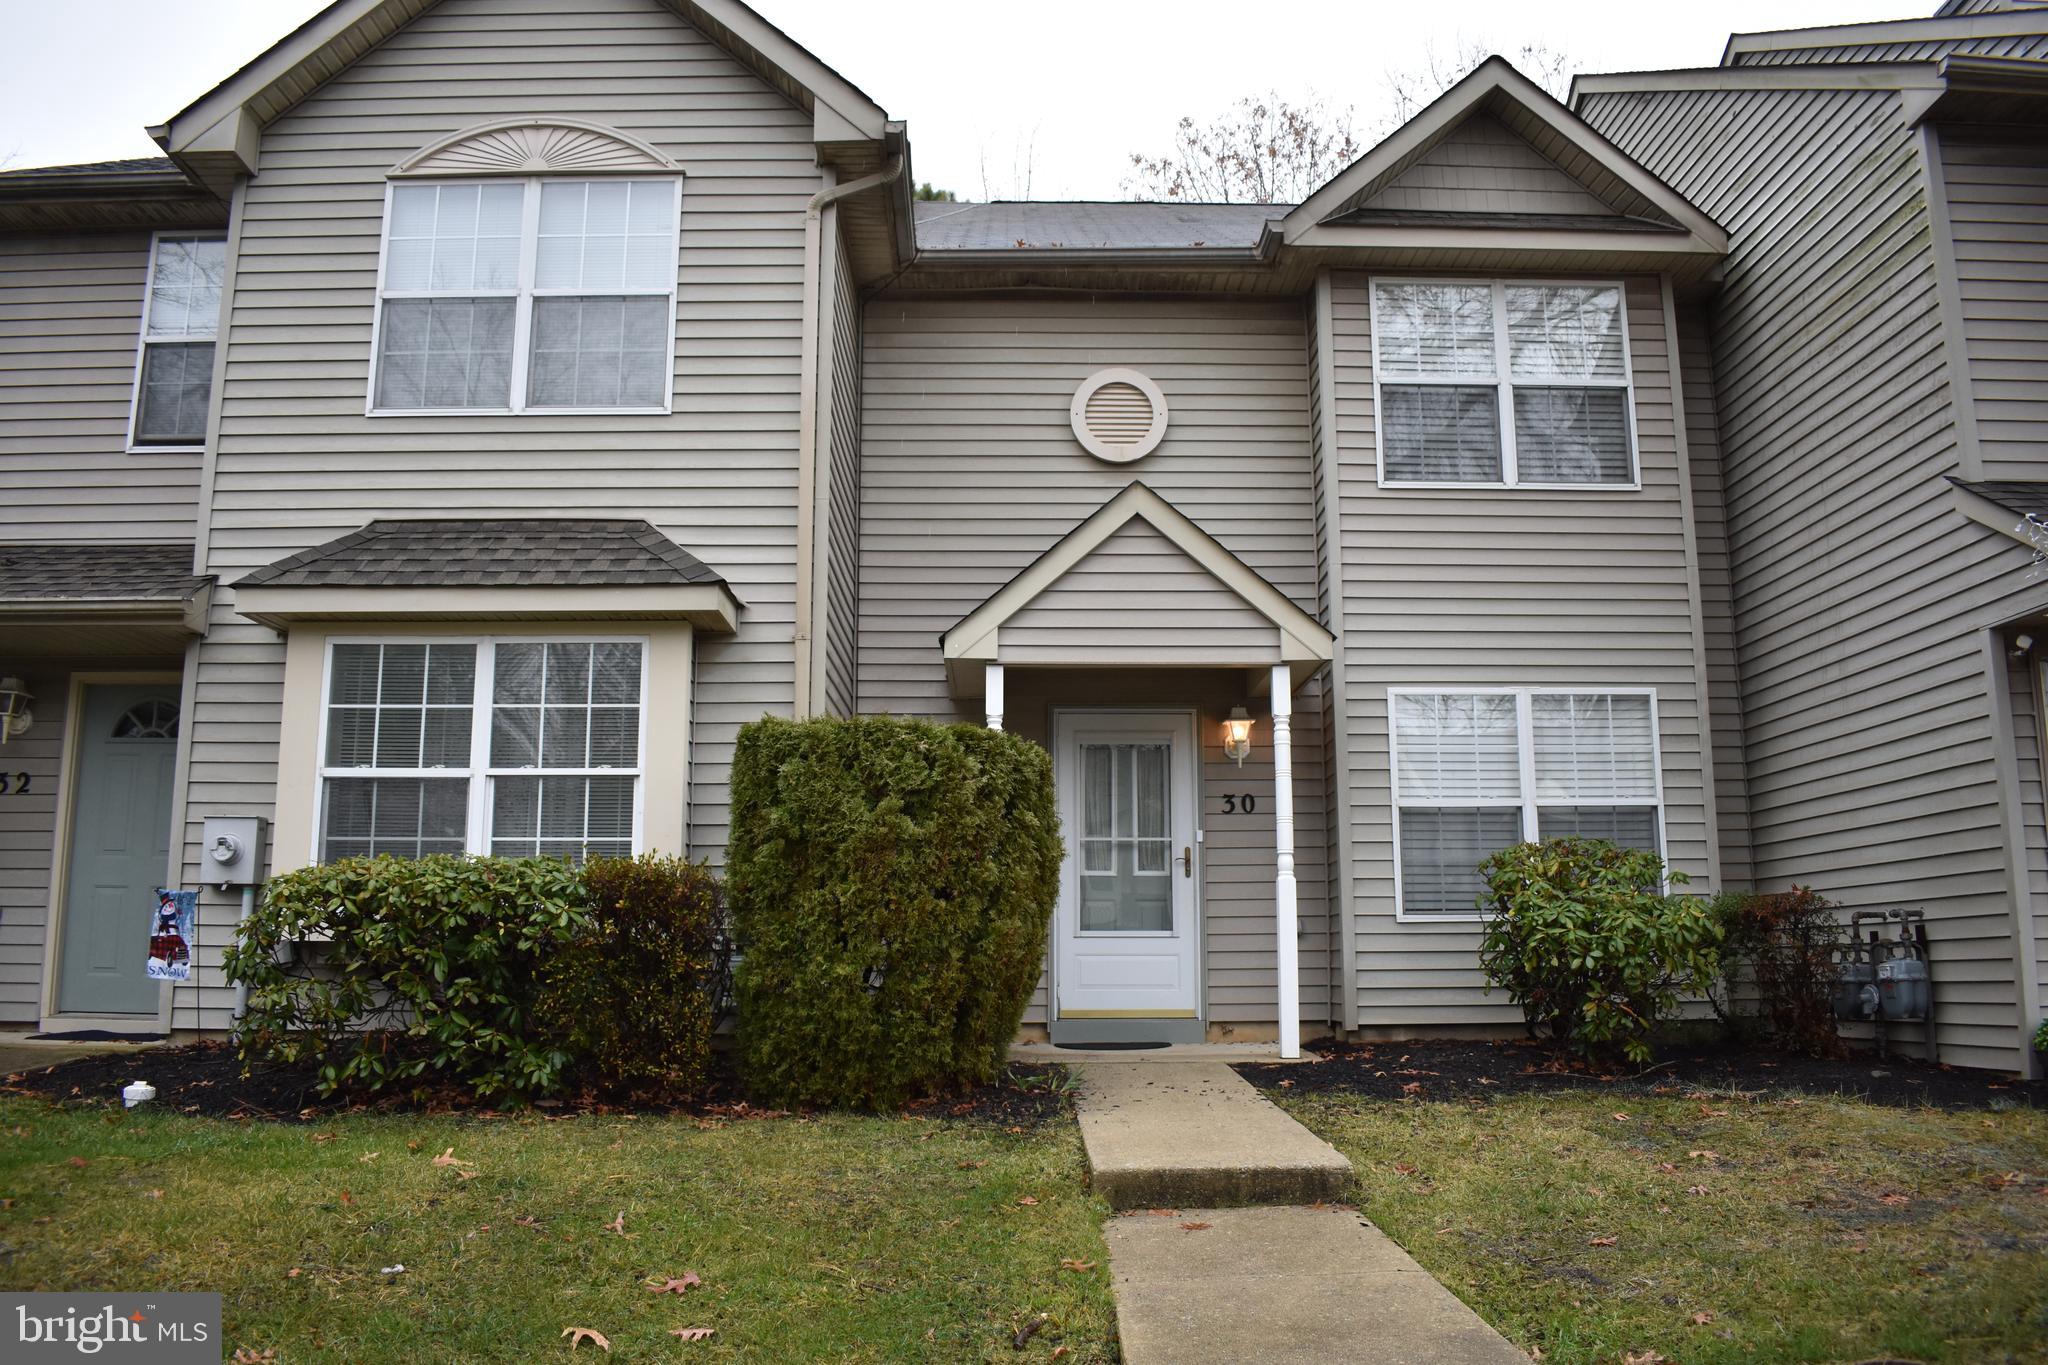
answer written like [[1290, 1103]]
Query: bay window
[[527, 295], [1504, 383], [520, 748], [1478, 770]]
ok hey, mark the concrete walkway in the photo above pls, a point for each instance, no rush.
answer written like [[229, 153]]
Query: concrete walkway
[[19, 1052], [1179, 1146], [1284, 1287], [1167, 1132]]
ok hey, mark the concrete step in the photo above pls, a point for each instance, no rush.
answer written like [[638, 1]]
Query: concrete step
[[1284, 1287], [1164, 1134]]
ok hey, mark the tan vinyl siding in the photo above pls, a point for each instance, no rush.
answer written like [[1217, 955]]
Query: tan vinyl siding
[[970, 471], [970, 468], [1138, 599], [1501, 587], [2023, 679], [28, 831], [842, 587], [70, 319], [299, 462], [1998, 208], [1482, 166], [1717, 596], [1860, 593]]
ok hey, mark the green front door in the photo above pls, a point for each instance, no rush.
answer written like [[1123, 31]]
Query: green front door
[[127, 745]]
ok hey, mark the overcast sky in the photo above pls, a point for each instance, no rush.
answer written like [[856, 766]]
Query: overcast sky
[[1055, 94]]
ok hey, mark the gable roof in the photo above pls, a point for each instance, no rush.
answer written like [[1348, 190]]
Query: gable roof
[[1636, 200], [974, 641], [217, 136]]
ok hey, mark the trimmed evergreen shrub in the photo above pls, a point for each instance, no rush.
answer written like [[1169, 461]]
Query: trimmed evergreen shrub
[[891, 884], [1580, 935], [429, 965], [635, 994], [1778, 968]]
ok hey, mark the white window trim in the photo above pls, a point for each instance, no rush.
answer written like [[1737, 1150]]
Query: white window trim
[[522, 296], [1503, 384], [1527, 803], [477, 835], [142, 341]]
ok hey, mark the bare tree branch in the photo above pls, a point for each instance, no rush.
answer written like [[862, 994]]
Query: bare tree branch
[[1262, 150]]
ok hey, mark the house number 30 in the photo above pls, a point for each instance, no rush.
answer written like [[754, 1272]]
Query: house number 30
[[13, 784], [1233, 803]]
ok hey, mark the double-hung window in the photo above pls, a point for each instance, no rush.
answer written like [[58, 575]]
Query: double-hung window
[[527, 296], [1507, 383], [1478, 770], [521, 748], [180, 320]]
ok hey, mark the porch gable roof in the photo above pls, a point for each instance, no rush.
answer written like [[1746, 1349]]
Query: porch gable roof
[[975, 641]]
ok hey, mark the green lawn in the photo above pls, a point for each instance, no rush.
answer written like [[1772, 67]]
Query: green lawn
[[1742, 1230], [838, 1238]]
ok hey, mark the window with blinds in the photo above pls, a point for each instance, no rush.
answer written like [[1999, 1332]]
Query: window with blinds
[[1513, 384], [528, 295], [521, 748], [1477, 771]]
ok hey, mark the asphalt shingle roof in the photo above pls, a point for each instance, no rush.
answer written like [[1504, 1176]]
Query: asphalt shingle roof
[[524, 552], [136, 164], [2023, 496], [97, 573], [1010, 225]]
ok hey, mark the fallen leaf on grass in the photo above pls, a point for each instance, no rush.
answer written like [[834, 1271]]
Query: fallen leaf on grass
[[618, 1224], [1667, 1167], [244, 1356], [1702, 1318], [1031, 1328], [153, 1194], [692, 1333], [1645, 1358], [1894, 1200], [673, 1284], [1057, 1352], [578, 1335], [1070, 1263], [972, 1165], [1194, 1227], [369, 1156], [1600, 1241], [347, 1200], [1619, 1118], [526, 1220], [1412, 1088], [1403, 1168], [292, 1274], [467, 1175], [1028, 1202], [1707, 1113], [325, 1137], [1697, 1189], [1702, 1154], [80, 1162], [448, 1158]]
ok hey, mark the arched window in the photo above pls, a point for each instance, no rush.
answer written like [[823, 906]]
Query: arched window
[[152, 719]]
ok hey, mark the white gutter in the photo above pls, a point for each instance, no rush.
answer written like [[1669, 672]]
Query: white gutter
[[810, 563]]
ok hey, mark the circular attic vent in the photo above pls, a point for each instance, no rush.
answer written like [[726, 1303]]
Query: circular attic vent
[[1119, 415]]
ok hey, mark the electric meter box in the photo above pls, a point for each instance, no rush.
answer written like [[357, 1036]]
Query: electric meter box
[[231, 850]]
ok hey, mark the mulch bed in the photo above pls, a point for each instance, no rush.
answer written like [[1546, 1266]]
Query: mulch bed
[[1446, 1070], [207, 1079]]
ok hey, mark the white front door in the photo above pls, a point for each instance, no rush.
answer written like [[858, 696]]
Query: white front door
[[1126, 927]]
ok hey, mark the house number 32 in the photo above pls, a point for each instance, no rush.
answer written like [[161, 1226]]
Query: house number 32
[[13, 784], [1233, 803]]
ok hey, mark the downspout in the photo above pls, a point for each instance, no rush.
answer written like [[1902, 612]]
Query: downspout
[[808, 560]]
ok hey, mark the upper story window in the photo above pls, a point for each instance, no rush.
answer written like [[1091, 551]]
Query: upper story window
[[1504, 383], [180, 319], [528, 295]]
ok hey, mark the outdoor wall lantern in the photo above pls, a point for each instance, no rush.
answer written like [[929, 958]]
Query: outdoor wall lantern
[[1237, 734], [15, 717]]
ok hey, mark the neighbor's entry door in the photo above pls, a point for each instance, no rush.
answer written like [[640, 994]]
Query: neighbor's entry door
[[127, 747], [1126, 926]]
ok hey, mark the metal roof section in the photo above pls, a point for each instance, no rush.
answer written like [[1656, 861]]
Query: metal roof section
[[1887, 39]]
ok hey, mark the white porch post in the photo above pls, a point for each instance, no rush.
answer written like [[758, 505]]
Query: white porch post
[[994, 673], [1283, 877]]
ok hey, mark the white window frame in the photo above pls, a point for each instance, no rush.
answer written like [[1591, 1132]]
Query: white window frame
[[143, 342], [522, 295], [477, 831], [1527, 802], [1503, 384]]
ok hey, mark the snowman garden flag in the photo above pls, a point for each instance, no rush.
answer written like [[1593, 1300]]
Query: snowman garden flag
[[170, 937]]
